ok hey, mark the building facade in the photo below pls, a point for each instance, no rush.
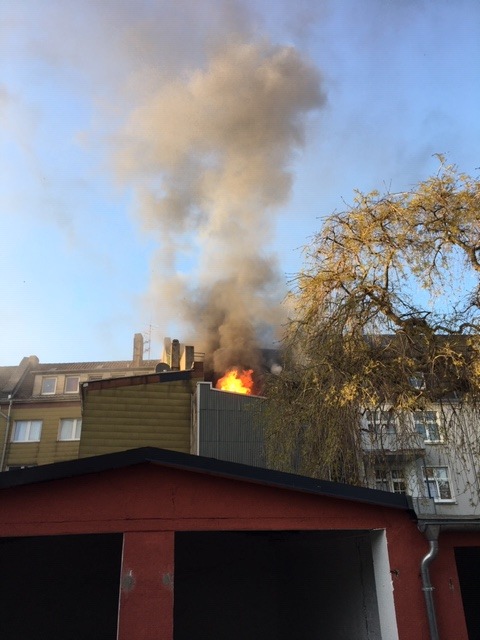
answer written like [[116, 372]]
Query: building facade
[[56, 412], [149, 410], [430, 454], [41, 413]]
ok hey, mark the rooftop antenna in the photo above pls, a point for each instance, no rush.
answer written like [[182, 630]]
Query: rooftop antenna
[[147, 341]]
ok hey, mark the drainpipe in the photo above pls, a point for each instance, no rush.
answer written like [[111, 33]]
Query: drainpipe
[[7, 431], [25, 367], [431, 533]]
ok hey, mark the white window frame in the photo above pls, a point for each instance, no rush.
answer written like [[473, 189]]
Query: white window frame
[[67, 378], [399, 482], [49, 393], [433, 480], [381, 421], [391, 480], [381, 480], [429, 419], [28, 430], [75, 427]]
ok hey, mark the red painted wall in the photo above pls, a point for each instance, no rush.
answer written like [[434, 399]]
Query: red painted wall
[[150, 502], [444, 577], [146, 601]]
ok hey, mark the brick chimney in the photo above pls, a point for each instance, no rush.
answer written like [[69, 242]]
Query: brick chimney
[[175, 363], [137, 350]]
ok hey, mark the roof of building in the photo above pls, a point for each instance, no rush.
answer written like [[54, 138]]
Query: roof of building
[[5, 374], [145, 378], [209, 466], [13, 378], [112, 365], [18, 381]]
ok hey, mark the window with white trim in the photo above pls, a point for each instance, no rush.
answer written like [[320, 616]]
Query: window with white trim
[[398, 481], [427, 425], [438, 483], [380, 421], [26, 430], [72, 384], [49, 386], [392, 480], [70, 429]]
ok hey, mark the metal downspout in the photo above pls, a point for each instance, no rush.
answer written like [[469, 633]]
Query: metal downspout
[[7, 431], [431, 533], [26, 365]]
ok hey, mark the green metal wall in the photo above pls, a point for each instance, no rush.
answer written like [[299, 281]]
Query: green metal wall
[[140, 415]]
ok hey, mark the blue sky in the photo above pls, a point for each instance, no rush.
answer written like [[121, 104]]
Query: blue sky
[[94, 96]]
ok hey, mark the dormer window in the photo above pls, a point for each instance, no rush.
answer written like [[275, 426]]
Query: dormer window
[[49, 386], [72, 384]]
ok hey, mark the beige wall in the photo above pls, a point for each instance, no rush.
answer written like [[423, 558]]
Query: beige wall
[[49, 449]]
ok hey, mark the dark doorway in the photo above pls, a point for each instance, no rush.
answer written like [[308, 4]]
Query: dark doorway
[[275, 586], [60, 587], [468, 568]]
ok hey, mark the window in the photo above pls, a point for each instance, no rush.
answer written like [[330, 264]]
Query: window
[[417, 381], [49, 386], [72, 384], [26, 430], [381, 480], [398, 481], [438, 483], [426, 424], [392, 480], [70, 429], [380, 421]]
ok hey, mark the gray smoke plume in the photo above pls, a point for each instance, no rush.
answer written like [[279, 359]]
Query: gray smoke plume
[[210, 155], [201, 117]]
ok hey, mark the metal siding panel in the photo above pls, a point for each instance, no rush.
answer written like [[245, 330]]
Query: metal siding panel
[[156, 415], [230, 427]]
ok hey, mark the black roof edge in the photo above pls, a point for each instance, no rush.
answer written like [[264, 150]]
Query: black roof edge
[[201, 464], [127, 380]]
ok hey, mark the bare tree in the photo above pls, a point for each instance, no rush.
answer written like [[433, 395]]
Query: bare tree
[[386, 317]]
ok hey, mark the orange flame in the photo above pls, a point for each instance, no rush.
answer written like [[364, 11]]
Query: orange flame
[[236, 380]]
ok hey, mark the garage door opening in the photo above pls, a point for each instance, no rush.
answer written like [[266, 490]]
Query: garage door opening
[[468, 567], [276, 586], [60, 587]]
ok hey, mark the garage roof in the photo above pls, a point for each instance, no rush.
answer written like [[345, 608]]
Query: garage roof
[[200, 464]]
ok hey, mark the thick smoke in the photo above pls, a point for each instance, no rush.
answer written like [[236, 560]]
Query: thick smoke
[[210, 156], [202, 117]]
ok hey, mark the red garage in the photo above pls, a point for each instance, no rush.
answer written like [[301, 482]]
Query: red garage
[[153, 544]]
